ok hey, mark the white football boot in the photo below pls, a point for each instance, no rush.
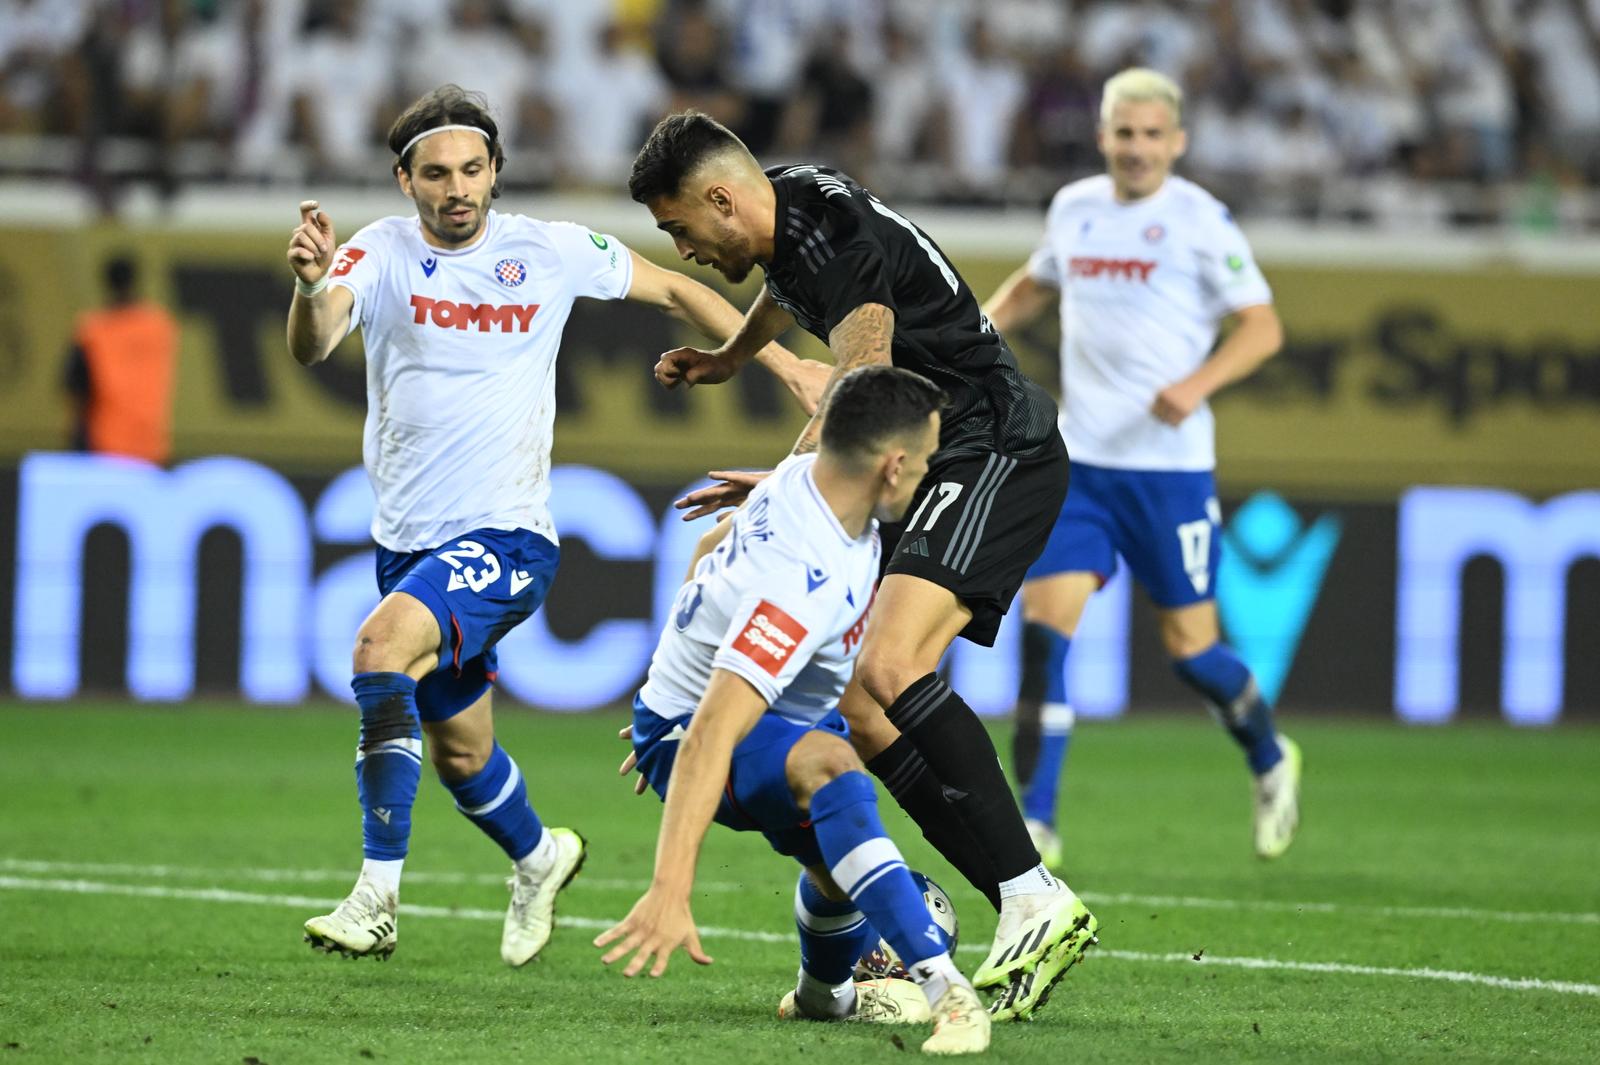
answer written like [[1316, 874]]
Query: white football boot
[[960, 1023], [362, 926], [877, 1002], [1053, 928], [532, 914], [1277, 802], [1046, 842]]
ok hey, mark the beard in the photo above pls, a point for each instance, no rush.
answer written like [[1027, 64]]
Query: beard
[[734, 258], [451, 232]]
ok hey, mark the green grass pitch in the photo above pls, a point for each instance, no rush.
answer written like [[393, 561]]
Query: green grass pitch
[[1442, 903]]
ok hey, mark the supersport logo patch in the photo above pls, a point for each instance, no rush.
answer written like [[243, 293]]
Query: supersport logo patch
[[769, 637]]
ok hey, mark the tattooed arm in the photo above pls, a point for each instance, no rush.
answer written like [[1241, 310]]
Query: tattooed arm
[[863, 338]]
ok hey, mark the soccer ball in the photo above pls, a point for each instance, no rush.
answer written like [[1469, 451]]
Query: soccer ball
[[882, 963]]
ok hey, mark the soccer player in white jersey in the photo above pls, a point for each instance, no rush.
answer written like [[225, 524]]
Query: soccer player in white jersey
[[1145, 266], [462, 310], [738, 721]]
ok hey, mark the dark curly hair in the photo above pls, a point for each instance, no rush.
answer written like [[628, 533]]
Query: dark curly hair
[[448, 105]]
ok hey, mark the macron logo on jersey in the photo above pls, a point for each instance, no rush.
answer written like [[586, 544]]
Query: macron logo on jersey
[[448, 314], [1127, 269], [769, 637]]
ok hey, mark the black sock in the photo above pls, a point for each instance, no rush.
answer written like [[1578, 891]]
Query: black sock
[[1027, 727], [1026, 733], [948, 734], [907, 777]]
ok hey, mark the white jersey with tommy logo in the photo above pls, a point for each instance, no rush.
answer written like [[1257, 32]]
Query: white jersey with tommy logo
[[782, 602], [1144, 287], [461, 349]]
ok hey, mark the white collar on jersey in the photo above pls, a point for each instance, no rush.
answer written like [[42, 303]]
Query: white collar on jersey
[[412, 143], [827, 511]]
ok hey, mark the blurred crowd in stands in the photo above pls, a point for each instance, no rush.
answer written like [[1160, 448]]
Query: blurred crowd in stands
[[1464, 111]]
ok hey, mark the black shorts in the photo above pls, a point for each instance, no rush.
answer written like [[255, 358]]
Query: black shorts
[[976, 524]]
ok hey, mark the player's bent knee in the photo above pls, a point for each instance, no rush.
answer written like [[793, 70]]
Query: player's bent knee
[[1181, 645], [818, 759], [884, 675], [1187, 631], [400, 636], [377, 652]]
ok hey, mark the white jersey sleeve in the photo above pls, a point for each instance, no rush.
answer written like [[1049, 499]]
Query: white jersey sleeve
[[598, 265], [358, 266], [1227, 268], [776, 630], [1044, 265], [782, 602]]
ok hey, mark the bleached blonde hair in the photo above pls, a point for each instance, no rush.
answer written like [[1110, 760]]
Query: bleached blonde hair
[[1141, 85]]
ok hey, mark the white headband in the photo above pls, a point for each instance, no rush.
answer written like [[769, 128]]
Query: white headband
[[412, 143]]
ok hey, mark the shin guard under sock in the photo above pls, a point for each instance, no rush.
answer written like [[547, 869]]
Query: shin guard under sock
[[906, 776], [955, 744]]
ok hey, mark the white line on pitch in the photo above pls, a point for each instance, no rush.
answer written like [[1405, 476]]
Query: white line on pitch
[[90, 887], [318, 876], [1453, 976], [312, 902], [1190, 902], [21, 865]]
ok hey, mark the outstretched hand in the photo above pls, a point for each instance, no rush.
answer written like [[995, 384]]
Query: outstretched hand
[[655, 927], [734, 486], [691, 366], [311, 244]]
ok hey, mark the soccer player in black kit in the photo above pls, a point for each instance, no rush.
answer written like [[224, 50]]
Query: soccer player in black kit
[[876, 289]]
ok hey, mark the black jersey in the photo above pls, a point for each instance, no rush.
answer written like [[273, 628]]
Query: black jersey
[[837, 247]]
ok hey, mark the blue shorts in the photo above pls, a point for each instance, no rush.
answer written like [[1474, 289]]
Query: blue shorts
[[479, 587], [756, 797], [1166, 524]]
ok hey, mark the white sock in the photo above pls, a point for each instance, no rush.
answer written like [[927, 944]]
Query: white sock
[[537, 862], [386, 875], [935, 975], [823, 1000], [1036, 881]]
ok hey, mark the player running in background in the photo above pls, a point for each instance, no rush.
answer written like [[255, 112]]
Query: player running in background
[[876, 290], [738, 721], [1145, 266], [462, 310]]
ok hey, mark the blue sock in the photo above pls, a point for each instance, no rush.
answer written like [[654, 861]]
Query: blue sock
[[1041, 791], [388, 761], [1224, 681], [495, 798], [868, 866], [832, 934]]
